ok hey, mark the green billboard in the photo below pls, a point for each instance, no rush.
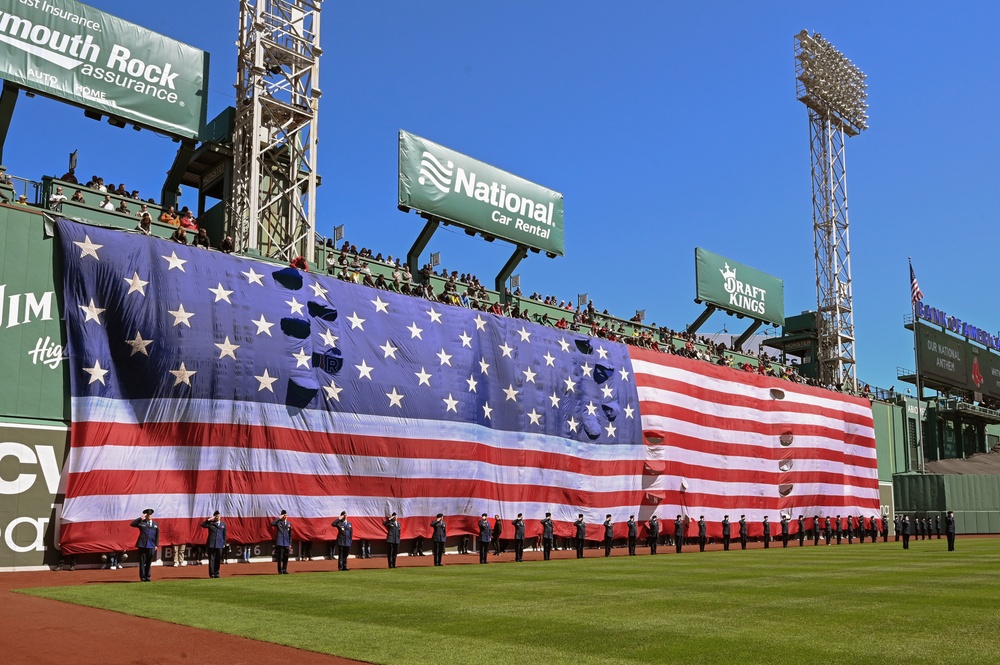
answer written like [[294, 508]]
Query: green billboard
[[71, 51], [943, 358], [739, 289], [32, 344], [456, 188]]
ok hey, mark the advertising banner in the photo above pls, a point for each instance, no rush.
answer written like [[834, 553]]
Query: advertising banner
[[737, 288], [469, 193], [71, 51], [31, 460]]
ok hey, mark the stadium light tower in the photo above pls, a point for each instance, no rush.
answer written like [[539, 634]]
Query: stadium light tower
[[273, 207], [836, 93]]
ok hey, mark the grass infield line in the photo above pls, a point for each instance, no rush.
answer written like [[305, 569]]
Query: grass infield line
[[858, 603]]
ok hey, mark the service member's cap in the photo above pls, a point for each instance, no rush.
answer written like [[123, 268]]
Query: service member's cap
[[548, 514], [520, 514], [215, 514], [580, 515], [343, 513], [631, 517], [485, 515], [284, 512], [440, 514], [148, 511], [393, 515]]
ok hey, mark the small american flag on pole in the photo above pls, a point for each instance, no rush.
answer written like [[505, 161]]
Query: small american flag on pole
[[916, 295]]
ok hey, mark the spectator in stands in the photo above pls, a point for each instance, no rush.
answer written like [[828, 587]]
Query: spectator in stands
[[299, 263], [123, 209], [143, 210], [56, 200], [106, 204], [179, 235], [121, 191], [188, 220], [169, 217], [70, 176], [22, 200], [78, 197], [201, 240], [331, 263], [93, 182], [145, 224], [135, 194], [226, 246]]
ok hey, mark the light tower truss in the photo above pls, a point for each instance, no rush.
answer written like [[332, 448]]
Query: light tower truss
[[835, 93], [273, 205]]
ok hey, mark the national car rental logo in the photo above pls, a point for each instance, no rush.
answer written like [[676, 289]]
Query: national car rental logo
[[434, 172]]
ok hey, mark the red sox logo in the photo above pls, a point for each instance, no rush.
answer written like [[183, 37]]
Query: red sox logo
[[977, 378]]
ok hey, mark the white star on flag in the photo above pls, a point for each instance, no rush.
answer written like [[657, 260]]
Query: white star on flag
[[525, 335], [318, 290], [415, 331], [480, 322], [629, 411], [95, 372], [602, 352], [472, 383], [265, 380], [554, 399], [425, 378], [88, 248], [180, 316], [328, 338], [135, 285], [252, 277], [511, 393], [182, 375], [138, 344], [174, 262], [226, 348], [624, 374], [450, 404], [506, 350], [364, 371], [332, 391], [302, 359], [466, 340], [379, 305], [389, 350], [570, 384], [563, 344], [221, 294], [591, 409], [610, 429], [262, 326], [93, 313], [444, 358], [435, 315], [395, 398], [484, 366], [534, 417], [607, 391], [587, 369], [295, 305], [573, 423], [487, 411], [529, 376], [550, 360]]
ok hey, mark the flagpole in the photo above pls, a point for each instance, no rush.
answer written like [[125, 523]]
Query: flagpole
[[916, 359]]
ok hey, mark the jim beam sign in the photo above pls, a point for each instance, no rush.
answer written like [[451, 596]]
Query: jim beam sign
[[739, 289]]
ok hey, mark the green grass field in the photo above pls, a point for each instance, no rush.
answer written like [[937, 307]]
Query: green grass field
[[861, 603]]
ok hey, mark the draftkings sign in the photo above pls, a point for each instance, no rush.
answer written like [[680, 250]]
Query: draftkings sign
[[456, 188], [71, 51], [739, 289]]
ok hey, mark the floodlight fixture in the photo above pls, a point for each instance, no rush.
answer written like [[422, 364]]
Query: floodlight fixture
[[830, 84]]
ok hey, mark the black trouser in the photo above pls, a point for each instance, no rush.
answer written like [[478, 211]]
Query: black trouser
[[725, 543], [518, 549], [951, 542], [897, 536], [366, 549], [307, 549], [546, 548], [579, 548], [885, 536], [631, 545], [861, 536], [652, 543], [767, 541], [802, 538], [391, 554], [496, 547], [484, 550], [816, 537], [438, 548], [146, 555], [702, 540], [906, 541], [784, 540], [743, 541], [939, 535], [607, 546], [838, 537], [214, 559], [281, 556], [827, 536], [678, 543], [345, 550]]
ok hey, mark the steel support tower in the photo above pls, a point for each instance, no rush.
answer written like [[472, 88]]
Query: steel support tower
[[835, 93], [273, 206]]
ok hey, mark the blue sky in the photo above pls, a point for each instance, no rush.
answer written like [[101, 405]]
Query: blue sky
[[665, 125]]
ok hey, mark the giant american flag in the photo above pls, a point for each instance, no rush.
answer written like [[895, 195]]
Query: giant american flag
[[203, 381]]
